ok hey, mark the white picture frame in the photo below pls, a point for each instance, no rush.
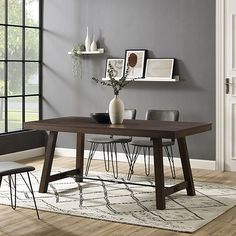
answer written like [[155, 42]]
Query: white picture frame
[[159, 68], [118, 65]]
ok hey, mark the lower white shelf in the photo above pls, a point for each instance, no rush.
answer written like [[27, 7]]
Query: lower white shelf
[[152, 79]]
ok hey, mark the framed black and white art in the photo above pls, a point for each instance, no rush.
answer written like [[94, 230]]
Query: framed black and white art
[[117, 65]]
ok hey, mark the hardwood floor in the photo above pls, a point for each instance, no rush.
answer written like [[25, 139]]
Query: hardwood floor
[[24, 221]]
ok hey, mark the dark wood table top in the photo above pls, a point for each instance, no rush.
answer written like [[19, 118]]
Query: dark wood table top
[[139, 128]]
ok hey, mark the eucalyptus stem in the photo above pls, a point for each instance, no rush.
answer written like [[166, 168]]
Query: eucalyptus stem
[[116, 85]]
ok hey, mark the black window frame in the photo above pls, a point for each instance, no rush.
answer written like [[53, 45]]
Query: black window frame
[[23, 61]]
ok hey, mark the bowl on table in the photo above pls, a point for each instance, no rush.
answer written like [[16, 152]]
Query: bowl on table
[[102, 118]]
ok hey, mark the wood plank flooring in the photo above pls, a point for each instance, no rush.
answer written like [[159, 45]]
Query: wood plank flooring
[[24, 221]]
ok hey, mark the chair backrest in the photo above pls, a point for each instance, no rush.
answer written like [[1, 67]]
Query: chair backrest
[[130, 114], [162, 115]]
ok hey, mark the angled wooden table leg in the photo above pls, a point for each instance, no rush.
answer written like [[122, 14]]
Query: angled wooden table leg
[[47, 166], [80, 156], [187, 171], [159, 174]]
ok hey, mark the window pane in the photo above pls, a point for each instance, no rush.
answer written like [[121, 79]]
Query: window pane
[[31, 108], [2, 79], [32, 12], [14, 43], [2, 42], [31, 44], [15, 12], [14, 114], [2, 11], [14, 78], [31, 78], [2, 115]]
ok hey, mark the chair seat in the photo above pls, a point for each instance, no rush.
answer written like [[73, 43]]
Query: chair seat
[[149, 143], [10, 167], [100, 140], [109, 140]]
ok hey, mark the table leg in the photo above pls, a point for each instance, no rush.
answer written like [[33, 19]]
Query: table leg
[[80, 156], [47, 166], [186, 166], [159, 174]]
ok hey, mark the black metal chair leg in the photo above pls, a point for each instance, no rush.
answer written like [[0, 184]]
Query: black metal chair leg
[[125, 147], [31, 190], [135, 154], [13, 204], [146, 160], [106, 162], [171, 160], [113, 149], [92, 151]]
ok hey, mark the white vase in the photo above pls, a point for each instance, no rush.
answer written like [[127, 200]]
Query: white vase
[[116, 110], [93, 46], [87, 41]]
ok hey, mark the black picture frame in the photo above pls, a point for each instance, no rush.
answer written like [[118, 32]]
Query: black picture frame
[[135, 61]]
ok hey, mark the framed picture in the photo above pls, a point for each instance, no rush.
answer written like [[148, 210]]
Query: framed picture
[[161, 68], [135, 60], [118, 65]]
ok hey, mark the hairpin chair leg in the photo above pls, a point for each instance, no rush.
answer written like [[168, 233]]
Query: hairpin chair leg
[[113, 149], [29, 186], [135, 154], [146, 162], [105, 149], [13, 203], [92, 151], [125, 147], [171, 160]]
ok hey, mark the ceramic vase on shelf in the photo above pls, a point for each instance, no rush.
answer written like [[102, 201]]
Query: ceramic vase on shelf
[[94, 45], [116, 110], [87, 42]]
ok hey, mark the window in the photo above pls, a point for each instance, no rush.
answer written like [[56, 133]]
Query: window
[[20, 63]]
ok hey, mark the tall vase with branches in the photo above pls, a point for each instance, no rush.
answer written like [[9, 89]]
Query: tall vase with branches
[[116, 105]]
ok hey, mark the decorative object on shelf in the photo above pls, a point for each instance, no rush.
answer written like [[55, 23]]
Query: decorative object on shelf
[[93, 46], [159, 68], [76, 57], [118, 67], [87, 41], [135, 59], [116, 106]]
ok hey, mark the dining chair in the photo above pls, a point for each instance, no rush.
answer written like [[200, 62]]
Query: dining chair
[[109, 147], [9, 168], [146, 144]]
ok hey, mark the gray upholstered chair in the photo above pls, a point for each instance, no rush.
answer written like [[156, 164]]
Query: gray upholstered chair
[[146, 144], [10, 168], [109, 147]]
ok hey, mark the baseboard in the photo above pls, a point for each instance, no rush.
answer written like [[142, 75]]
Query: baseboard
[[195, 163], [16, 156]]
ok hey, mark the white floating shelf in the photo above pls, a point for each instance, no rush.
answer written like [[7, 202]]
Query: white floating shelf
[[153, 79], [99, 51]]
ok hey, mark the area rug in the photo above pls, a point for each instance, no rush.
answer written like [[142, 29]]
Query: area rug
[[127, 203]]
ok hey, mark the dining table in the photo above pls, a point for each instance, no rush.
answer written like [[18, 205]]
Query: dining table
[[156, 130]]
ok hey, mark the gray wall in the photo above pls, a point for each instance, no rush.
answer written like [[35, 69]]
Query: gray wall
[[180, 29]]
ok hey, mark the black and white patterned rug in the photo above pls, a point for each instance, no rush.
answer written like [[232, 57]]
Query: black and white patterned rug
[[126, 203]]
